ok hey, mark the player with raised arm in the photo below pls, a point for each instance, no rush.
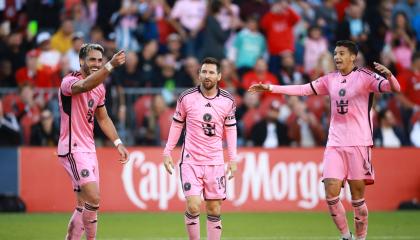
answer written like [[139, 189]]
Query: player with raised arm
[[207, 112], [347, 156], [81, 98]]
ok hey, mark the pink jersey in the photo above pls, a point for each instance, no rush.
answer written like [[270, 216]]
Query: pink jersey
[[351, 99], [205, 120], [77, 116]]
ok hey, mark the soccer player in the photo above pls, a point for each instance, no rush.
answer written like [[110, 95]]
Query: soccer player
[[81, 97], [207, 112], [347, 156]]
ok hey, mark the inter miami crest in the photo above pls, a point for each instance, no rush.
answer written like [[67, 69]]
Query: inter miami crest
[[187, 186], [207, 117], [84, 173], [342, 92]]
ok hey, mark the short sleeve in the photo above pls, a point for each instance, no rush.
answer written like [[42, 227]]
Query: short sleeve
[[179, 115], [101, 102], [230, 118], [320, 85], [67, 83], [376, 83]]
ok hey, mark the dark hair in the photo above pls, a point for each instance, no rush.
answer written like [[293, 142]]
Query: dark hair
[[87, 47], [350, 45], [210, 60]]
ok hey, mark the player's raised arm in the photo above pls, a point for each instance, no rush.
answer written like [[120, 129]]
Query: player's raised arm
[[392, 82], [93, 63], [317, 88]]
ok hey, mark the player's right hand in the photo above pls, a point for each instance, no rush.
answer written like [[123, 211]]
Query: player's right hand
[[118, 59], [260, 87], [169, 164]]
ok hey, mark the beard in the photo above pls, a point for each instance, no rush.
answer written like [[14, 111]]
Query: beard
[[208, 85]]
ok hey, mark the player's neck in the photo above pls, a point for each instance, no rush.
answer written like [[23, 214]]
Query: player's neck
[[209, 93], [347, 70], [84, 75]]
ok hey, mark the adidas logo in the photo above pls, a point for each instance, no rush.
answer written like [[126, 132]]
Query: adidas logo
[[208, 105]]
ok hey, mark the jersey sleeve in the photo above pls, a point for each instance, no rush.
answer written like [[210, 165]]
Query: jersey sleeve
[[377, 84], [320, 85], [67, 83], [230, 119], [179, 115], [102, 99]]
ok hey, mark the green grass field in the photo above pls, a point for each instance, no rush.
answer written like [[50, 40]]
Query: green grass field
[[237, 226]]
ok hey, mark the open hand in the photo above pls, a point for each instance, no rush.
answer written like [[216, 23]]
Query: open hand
[[260, 87], [169, 164]]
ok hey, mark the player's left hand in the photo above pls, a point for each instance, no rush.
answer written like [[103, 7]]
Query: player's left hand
[[232, 167], [123, 153], [382, 69]]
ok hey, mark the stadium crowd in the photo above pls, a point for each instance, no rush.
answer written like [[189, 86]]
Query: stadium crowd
[[274, 41]]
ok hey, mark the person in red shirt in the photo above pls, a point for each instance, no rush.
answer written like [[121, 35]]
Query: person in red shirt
[[278, 27], [259, 75], [410, 90]]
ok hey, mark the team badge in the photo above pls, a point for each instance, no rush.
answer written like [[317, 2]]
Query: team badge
[[207, 117], [187, 186], [84, 173], [342, 92], [90, 103]]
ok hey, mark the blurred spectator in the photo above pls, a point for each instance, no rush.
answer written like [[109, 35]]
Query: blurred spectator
[[62, 39], [147, 29], [214, 36], [378, 16], [325, 64], [48, 57], [254, 8], [401, 41], [32, 73], [96, 35], [6, 74], [315, 45], [354, 27], [410, 8], [230, 80], [228, 16], [27, 110], [188, 76], [172, 55], [305, 129], [125, 22], [248, 114], [150, 131], [9, 128], [84, 16], [326, 17], [187, 17], [72, 54], [270, 132], [15, 50], [410, 90], [248, 46], [259, 74], [148, 67], [290, 73], [45, 133], [278, 24], [388, 134], [129, 75]]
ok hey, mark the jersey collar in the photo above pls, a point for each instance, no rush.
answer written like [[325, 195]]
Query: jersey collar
[[218, 93]]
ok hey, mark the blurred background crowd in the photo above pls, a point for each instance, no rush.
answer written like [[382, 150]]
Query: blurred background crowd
[[273, 41]]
